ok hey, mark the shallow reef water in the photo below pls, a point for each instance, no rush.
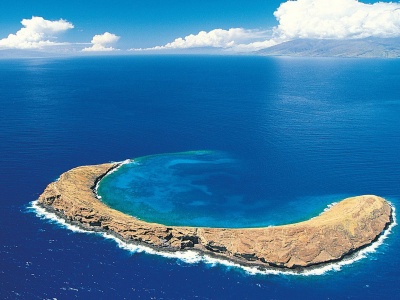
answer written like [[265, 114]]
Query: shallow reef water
[[203, 189]]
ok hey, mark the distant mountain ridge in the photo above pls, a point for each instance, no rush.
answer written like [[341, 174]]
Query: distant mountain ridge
[[368, 47]]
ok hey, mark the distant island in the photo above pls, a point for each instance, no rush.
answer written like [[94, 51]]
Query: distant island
[[348, 226], [366, 48]]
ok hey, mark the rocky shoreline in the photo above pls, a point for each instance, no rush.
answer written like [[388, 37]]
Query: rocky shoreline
[[352, 224]]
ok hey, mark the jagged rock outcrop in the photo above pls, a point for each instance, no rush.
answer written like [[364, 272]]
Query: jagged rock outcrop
[[348, 226]]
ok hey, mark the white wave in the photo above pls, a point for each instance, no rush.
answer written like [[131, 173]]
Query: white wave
[[329, 207], [195, 257], [121, 163], [52, 217]]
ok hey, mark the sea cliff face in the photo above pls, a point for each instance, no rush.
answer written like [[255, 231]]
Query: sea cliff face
[[348, 226]]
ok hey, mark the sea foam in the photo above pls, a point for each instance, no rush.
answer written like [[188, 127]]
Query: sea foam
[[121, 163], [195, 257]]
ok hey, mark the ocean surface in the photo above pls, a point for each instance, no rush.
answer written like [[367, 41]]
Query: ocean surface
[[217, 141]]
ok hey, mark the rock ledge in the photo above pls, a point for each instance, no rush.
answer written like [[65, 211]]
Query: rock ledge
[[350, 225]]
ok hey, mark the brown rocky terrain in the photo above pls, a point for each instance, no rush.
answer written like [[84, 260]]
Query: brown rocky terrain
[[348, 226]]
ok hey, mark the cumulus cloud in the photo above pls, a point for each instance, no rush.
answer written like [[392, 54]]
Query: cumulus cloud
[[36, 33], [102, 42], [313, 19], [338, 19], [217, 38]]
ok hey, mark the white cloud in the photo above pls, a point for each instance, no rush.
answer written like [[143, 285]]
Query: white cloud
[[337, 19], [314, 19], [217, 38], [102, 42], [36, 33], [254, 46]]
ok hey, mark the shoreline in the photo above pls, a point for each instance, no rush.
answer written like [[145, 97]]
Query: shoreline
[[193, 257], [294, 247]]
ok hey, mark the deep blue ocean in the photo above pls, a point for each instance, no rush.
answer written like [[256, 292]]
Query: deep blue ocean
[[226, 141]]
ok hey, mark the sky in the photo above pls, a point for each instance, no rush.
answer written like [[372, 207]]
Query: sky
[[105, 26]]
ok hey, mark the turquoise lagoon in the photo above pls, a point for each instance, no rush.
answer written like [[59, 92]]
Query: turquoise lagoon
[[203, 189]]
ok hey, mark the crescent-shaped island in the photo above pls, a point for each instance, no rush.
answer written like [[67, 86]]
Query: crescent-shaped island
[[352, 224]]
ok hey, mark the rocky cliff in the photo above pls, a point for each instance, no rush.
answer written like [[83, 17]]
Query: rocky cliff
[[348, 226]]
